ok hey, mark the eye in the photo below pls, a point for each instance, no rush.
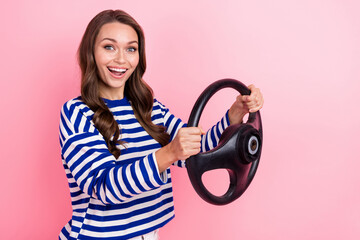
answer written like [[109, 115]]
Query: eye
[[109, 47], [131, 49]]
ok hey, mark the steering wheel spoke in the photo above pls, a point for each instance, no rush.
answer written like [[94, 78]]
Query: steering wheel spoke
[[238, 151]]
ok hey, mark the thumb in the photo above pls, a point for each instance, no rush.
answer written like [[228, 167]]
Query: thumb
[[245, 98], [201, 130]]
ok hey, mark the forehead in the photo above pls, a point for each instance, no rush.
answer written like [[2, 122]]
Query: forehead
[[117, 31]]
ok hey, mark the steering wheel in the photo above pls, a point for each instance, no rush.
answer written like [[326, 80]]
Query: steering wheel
[[238, 150]]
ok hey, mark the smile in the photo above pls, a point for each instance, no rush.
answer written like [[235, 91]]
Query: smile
[[117, 72]]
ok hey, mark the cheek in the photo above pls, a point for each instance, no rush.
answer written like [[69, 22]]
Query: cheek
[[100, 60], [101, 64], [134, 60]]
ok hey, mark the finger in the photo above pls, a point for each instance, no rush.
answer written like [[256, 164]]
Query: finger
[[261, 105], [252, 96], [251, 87], [191, 131], [252, 104], [194, 146], [194, 139], [256, 107], [255, 93], [202, 130], [245, 98], [257, 98], [191, 148], [253, 108], [191, 153]]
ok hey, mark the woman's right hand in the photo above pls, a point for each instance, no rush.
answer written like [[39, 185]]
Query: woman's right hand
[[185, 144]]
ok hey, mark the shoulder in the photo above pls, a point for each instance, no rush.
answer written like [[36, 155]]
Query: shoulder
[[72, 102], [76, 117], [159, 106], [159, 110], [157, 103], [75, 105]]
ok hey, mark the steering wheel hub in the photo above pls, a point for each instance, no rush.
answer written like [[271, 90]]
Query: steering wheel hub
[[238, 150]]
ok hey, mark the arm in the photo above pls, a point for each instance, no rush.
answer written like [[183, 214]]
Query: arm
[[185, 141], [245, 104], [94, 168]]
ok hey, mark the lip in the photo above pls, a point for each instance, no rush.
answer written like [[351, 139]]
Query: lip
[[117, 76]]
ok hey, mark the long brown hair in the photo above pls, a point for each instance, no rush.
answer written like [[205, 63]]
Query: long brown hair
[[136, 90]]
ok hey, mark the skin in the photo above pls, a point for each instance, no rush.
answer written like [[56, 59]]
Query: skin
[[246, 104], [187, 141], [116, 46]]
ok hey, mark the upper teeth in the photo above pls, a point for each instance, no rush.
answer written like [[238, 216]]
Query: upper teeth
[[122, 70]]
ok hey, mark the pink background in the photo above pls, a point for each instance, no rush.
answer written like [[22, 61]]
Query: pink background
[[303, 54]]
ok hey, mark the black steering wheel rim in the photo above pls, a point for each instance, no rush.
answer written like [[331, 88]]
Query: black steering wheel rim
[[240, 175]]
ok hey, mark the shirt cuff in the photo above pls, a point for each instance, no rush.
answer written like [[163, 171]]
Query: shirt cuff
[[159, 177], [227, 120]]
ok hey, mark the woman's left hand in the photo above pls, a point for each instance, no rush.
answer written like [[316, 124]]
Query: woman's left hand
[[245, 104]]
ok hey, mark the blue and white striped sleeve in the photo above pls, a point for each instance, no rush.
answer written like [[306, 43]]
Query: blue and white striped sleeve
[[208, 141], [93, 167]]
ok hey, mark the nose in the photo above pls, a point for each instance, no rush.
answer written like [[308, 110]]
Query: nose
[[120, 57]]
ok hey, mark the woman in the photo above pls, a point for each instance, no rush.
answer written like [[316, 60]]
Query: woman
[[118, 142]]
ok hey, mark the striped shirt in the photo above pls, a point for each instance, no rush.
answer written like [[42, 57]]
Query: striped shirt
[[125, 197]]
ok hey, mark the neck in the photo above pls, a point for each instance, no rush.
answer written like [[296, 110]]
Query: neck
[[111, 93]]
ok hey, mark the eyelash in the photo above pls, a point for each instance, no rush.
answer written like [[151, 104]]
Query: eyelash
[[107, 47], [130, 49]]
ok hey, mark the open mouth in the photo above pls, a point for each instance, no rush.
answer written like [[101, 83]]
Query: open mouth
[[117, 71]]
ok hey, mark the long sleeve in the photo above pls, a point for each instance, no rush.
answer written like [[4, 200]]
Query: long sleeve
[[123, 197], [173, 124], [94, 168]]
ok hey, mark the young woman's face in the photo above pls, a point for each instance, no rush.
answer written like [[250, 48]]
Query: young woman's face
[[116, 55]]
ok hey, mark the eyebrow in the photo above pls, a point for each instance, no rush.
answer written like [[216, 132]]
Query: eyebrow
[[113, 40]]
